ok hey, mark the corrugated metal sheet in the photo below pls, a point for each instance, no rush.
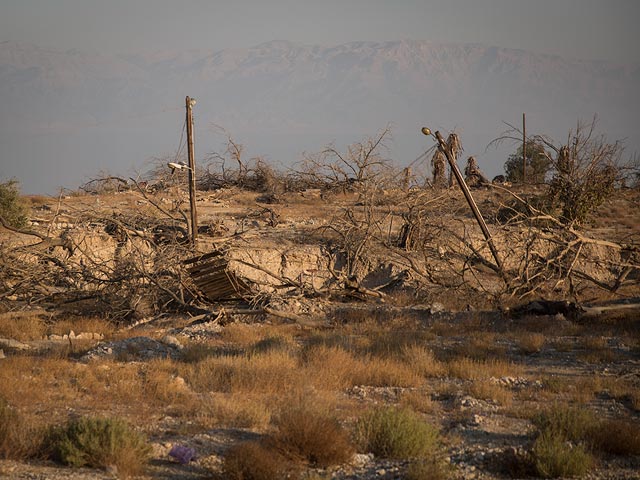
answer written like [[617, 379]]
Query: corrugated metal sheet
[[211, 274]]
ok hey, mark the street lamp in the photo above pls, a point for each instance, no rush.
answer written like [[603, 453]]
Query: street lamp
[[442, 145]]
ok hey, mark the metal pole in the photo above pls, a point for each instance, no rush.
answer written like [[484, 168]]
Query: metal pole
[[524, 150], [474, 208], [189, 102]]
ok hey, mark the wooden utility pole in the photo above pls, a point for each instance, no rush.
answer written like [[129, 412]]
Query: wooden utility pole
[[474, 207], [524, 150], [189, 103]]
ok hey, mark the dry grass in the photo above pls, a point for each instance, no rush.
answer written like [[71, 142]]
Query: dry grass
[[20, 437], [267, 373], [22, 326], [234, 411], [596, 350], [423, 361], [336, 368], [617, 437], [245, 335], [82, 324], [530, 343], [418, 400], [469, 369], [481, 346], [492, 392]]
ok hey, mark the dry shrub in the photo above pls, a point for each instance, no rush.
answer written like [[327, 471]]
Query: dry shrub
[[618, 437], [397, 433], [469, 369], [530, 343], [19, 438], [270, 372], [572, 423], [253, 461], [306, 431]]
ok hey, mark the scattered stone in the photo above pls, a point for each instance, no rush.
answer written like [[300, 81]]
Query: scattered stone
[[15, 344], [135, 348], [171, 341], [360, 460]]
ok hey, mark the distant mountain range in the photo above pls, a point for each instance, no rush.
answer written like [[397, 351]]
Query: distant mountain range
[[67, 115]]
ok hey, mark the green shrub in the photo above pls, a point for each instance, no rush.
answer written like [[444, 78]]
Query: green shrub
[[553, 456], [12, 208], [397, 433], [253, 461], [99, 443], [18, 438]]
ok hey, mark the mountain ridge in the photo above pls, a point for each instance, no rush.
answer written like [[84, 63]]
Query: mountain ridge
[[282, 92]]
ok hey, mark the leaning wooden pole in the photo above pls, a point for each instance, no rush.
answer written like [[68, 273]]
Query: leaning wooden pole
[[189, 102], [524, 149], [474, 207]]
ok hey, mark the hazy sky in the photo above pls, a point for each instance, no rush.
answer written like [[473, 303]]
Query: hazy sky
[[589, 29]]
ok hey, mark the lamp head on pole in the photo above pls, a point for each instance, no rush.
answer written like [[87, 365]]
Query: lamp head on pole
[[177, 166], [426, 131]]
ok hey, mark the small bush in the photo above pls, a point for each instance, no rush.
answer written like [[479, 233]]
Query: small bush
[[574, 424], [530, 343], [618, 437], [99, 443], [553, 456], [12, 207], [397, 433], [253, 461], [308, 433], [428, 470]]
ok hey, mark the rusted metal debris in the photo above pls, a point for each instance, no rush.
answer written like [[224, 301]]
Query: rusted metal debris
[[211, 274]]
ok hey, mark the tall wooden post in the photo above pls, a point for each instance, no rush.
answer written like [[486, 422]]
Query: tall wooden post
[[189, 103], [524, 150]]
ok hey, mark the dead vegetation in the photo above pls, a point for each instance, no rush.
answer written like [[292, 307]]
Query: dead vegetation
[[338, 285]]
